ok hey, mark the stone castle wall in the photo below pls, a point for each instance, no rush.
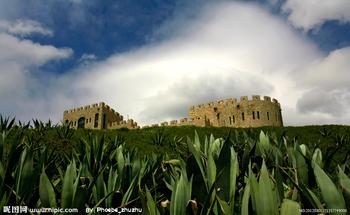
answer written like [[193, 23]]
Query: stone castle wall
[[96, 116], [254, 112]]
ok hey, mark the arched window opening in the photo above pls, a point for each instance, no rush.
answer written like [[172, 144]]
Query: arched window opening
[[268, 116], [258, 114], [242, 116], [253, 115]]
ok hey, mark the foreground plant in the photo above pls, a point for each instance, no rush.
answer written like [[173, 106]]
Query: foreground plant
[[244, 173]]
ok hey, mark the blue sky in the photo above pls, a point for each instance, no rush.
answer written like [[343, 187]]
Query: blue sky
[[152, 59]]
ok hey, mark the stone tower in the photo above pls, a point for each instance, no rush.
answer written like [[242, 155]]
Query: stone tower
[[242, 113], [96, 116]]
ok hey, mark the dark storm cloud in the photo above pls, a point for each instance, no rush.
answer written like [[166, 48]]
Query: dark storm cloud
[[334, 102]]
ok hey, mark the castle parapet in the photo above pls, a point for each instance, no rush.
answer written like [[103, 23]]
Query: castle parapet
[[221, 102], [173, 122], [183, 120], [210, 104], [230, 101], [164, 124], [256, 98], [267, 98], [243, 99]]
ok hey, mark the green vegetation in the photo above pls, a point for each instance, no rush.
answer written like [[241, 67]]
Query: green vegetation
[[180, 170]]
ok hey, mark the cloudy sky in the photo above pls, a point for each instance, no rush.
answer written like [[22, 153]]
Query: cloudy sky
[[153, 59]]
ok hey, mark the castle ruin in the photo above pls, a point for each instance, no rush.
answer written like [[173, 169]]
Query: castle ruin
[[254, 112], [96, 116], [233, 113]]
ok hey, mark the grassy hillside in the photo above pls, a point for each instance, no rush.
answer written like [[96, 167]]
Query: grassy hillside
[[176, 170]]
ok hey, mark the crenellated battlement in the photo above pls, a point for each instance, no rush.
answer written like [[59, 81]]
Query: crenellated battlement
[[267, 98], [246, 111], [234, 102], [97, 116], [89, 107], [181, 122]]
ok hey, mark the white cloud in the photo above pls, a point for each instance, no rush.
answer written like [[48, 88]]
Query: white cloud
[[87, 59], [329, 72], [326, 83], [24, 27], [231, 49], [22, 91], [228, 50], [25, 52], [308, 14]]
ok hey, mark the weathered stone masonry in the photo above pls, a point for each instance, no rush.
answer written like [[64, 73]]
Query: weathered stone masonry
[[96, 116], [244, 113], [232, 113]]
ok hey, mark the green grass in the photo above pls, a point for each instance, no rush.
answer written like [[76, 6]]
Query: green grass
[[143, 139], [191, 170]]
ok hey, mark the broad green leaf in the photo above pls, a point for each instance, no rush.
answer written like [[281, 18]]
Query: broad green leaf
[[2, 172], [128, 193], [315, 199], [290, 207], [254, 187], [245, 199], [24, 176], [267, 203], [303, 149], [196, 143], [46, 191], [181, 195], [68, 189], [151, 205], [211, 170], [301, 166], [344, 181], [234, 168], [99, 189], [263, 145], [317, 157], [225, 208], [215, 146], [111, 185], [194, 149], [330, 193]]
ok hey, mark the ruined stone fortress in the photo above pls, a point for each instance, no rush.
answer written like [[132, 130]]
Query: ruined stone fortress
[[96, 116], [254, 112]]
